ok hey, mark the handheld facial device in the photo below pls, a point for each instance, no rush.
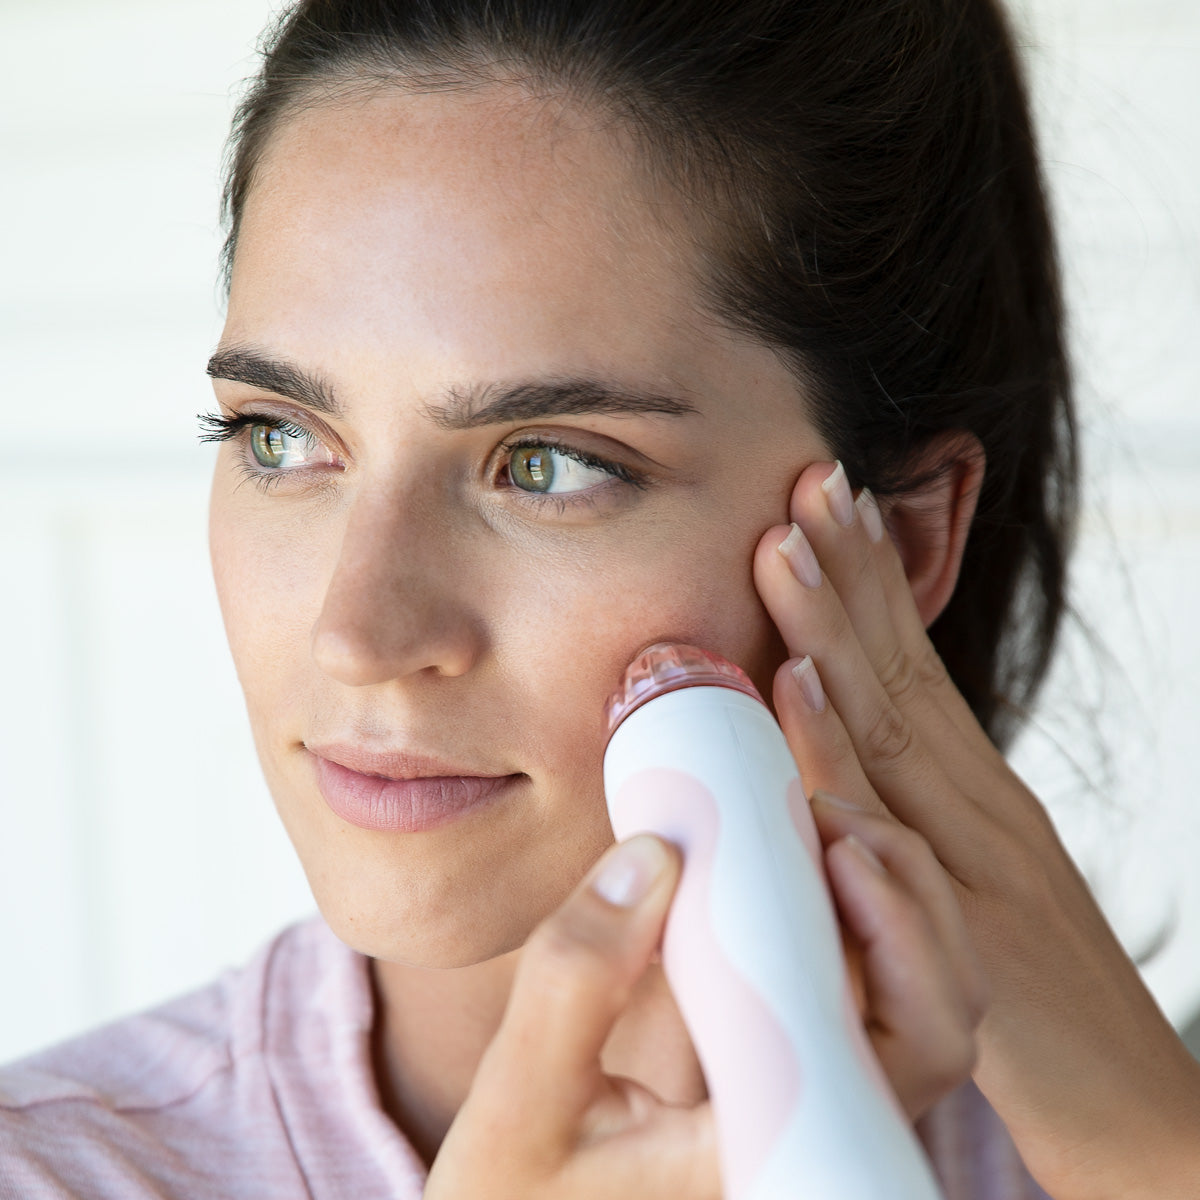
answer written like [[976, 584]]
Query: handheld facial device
[[751, 947]]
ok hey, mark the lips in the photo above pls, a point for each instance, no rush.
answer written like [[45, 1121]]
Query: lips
[[399, 792]]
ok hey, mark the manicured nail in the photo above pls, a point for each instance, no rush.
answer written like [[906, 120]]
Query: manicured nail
[[630, 870], [872, 519], [865, 853], [800, 557], [838, 497], [823, 797], [805, 675]]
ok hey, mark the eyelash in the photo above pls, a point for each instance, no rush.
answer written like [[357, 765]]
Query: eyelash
[[216, 427]]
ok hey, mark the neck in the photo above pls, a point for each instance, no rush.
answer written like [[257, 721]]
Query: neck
[[432, 1027]]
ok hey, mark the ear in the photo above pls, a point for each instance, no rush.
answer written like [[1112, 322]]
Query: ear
[[930, 526]]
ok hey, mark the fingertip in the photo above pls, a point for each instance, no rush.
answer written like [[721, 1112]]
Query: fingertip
[[628, 871], [852, 808], [830, 800], [808, 681], [864, 855], [808, 495], [856, 873], [872, 518], [769, 560], [834, 816], [864, 889]]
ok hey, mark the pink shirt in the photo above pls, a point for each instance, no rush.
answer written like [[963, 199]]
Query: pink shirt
[[260, 1085]]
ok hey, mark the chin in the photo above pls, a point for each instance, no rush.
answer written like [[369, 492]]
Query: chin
[[417, 938]]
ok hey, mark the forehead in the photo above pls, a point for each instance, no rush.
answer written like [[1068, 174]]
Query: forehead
[[410, 241], [459, 198]]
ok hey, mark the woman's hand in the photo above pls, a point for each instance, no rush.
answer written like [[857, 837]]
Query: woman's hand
[[1099, 1094], [544, 1122], [920, 986]]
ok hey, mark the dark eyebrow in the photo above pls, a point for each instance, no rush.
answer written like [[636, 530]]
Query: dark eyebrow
[[468, 408], [243, 364], [500, 404]]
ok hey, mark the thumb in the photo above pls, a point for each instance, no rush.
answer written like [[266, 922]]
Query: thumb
[[575, 977]]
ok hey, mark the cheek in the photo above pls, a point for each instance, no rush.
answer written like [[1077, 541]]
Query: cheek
[[269, 590], [587, 623]]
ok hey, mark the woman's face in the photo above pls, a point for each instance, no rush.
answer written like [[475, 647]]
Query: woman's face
[[496, 449]]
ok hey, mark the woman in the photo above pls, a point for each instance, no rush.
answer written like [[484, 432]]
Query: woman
[[556, 329]]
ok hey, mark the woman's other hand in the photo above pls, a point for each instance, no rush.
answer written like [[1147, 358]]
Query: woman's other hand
[[1099, 1094], [542, 1119], [920, 985]]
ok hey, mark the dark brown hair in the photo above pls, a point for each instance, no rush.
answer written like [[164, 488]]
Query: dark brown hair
[[874, 211]]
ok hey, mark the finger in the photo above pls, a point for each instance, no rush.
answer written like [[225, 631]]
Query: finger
[[920, 1025], [911, 863], [575, 976], [849, 540], [812, 621], [817, 738], [667, 1150], [840, 533], [860, 574]]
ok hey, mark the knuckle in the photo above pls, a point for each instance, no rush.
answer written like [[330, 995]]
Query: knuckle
[[950, 1058], [960, 1054], [889, 737], [564, 954], [898, 675], [1009, 870], [842, 763], [931, 671]]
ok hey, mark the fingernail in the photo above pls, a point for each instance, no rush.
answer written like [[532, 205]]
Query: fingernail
[[799, 554], [805, 674], [872, 519], [865, 853], [823, 797], [837, 495], [629, 871]]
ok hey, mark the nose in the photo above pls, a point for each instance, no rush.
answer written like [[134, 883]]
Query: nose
[[399, 600]]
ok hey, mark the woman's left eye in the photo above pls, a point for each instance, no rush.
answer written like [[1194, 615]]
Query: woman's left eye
[[551, 470]]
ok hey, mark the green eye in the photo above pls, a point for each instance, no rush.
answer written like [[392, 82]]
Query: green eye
[[547, 471], [531, 469], [279, 446]]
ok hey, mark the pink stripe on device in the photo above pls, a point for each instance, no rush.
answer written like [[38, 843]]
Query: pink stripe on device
[[718, 996]]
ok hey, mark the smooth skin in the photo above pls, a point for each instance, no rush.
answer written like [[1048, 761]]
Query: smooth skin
[[388, 584]]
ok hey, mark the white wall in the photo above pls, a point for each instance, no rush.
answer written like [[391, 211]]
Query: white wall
[[139, 853]]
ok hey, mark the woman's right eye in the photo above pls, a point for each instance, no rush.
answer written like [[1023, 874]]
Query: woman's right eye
[[274, 447], [282, 446]]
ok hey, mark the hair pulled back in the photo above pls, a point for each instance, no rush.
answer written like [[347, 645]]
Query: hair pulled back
[[873, 210]]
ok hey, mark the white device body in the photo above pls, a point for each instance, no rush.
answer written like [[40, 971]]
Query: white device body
[[753, 955]]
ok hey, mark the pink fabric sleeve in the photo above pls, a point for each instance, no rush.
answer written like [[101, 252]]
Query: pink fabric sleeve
[[257, 1086]]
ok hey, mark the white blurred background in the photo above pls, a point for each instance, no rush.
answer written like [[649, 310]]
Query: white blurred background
[[139, 852]]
